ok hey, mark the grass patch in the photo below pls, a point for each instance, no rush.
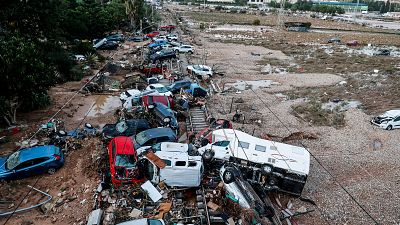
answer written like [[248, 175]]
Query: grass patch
[[316, 115]]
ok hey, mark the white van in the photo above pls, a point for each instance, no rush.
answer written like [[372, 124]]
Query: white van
[[181, 170], [274, 165]]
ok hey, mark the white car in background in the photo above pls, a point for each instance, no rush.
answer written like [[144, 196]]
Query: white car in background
[[201, 71], [172, 37], [159, 89], [184, 49], [389, 120]]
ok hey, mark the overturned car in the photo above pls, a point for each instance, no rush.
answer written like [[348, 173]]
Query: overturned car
[[273, 165]]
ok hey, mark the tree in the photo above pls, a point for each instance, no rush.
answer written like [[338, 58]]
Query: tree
[[25, 77]]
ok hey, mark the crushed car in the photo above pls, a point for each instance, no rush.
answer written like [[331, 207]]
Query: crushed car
[[163, 115], [123, 160], [124, 128], [277, 166], [30, 162], [200, 71], [153, 136], [388, 120]]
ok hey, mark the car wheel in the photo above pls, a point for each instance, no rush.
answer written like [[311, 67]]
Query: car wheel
[[390, 127], [190, 52], [141, 67], [228, 176], [208, 155], [158, 65], [51, 171]]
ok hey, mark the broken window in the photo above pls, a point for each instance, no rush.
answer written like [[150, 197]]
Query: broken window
[[180, 163], [260, 148], [221, 143], [192, 164], [167, 162], [244, 144]]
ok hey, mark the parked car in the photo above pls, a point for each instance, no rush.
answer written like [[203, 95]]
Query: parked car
[[174, 43], [30, 162], [108, 45], [168, 27], [152, 136], [153, 68], [201, 71], [158, 42], [125, 128], [115, 37], [181, 169], [178, 85], [123, 160], [385, 52], [136, 39], [184, 49], [164, 54], [274, 165], [352, 43], [150, 99], [172, 37], [167, 46], [159, 90], [152, 34], [164, 116], [389, 120], [196, 90], [334, 40], [144, 221]]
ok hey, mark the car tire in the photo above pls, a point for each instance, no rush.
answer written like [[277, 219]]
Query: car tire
[[51, 171], [204, 142], [141, 67], [190, 52], [390, 127], [228, 176], [208, 155]]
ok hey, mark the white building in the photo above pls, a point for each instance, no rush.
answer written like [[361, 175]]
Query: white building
[[220, 1]]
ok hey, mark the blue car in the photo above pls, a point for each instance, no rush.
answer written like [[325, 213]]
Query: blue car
[[30, 162], [176, 87], [157, 43]]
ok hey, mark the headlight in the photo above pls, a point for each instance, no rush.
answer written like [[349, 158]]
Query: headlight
[[267, 169], [167, 120], [150, 106]]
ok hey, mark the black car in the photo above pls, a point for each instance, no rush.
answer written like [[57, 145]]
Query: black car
[[334, 40], [108, 45], [129, 128], [154, 136], [177, 86], [136, 39], [164, 115], [115, 37], [383, 52], [163, 55]]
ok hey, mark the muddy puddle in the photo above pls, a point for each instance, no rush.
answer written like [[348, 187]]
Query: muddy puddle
[[104, 104]]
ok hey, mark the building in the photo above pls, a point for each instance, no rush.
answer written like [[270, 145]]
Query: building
[[258, 2], [220, 1], [347, 6]]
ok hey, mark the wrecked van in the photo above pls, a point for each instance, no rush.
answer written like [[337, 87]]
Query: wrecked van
[[175, 169], [274, 165]]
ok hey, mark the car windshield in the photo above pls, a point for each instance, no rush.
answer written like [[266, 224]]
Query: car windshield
[[141, 138], [161, 89], [153, 222], [127, 161], [197, 67], [12, 161]]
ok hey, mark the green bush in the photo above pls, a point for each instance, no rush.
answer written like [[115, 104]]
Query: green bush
[[256, 22]]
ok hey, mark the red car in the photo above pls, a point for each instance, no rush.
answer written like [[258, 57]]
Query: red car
[[165, 100], [152, 34], [153, 68], [168, 27], [123, 161], [352, 43]]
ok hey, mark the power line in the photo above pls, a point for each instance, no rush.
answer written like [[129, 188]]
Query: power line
[[317, 160]]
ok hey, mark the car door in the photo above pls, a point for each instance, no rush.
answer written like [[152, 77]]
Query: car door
[[41, 165], [23, 170], [396, 122]]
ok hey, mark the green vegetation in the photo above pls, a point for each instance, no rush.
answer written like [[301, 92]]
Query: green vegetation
[[256, 22], [38, 39]]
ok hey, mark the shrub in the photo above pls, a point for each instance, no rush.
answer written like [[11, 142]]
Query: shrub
[[256, 22]]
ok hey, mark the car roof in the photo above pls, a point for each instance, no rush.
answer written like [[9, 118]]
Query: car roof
[[158, 132], [124, 145], [37, 152], [392, 113], [157, 85]]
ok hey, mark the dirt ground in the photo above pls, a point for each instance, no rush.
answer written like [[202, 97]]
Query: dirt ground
[[352, 164]]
